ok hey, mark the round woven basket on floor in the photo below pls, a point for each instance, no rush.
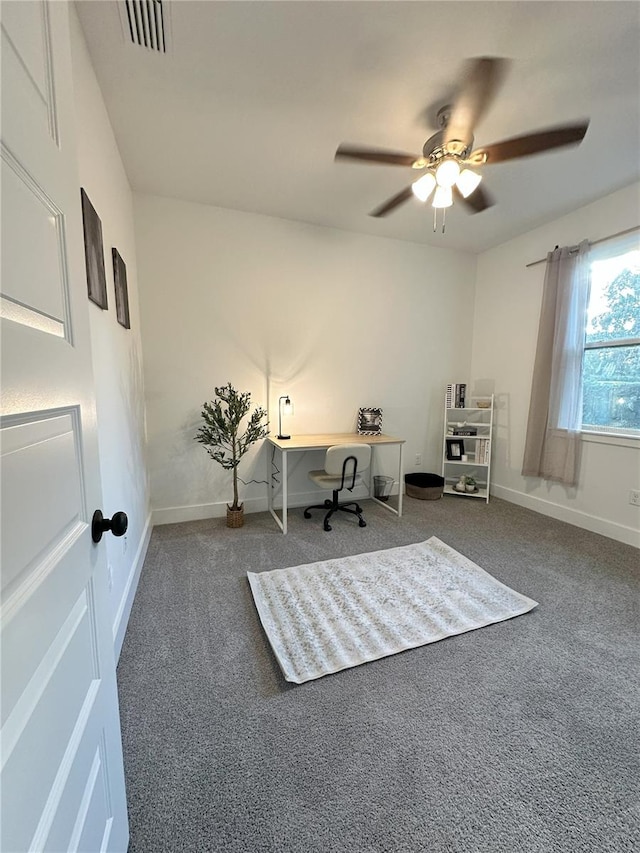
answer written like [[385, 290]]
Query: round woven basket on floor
[[235, 517], [424, 487]]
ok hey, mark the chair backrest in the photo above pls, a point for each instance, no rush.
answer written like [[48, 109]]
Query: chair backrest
[[336, 456]]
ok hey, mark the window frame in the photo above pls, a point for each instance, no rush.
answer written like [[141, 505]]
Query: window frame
[[617, 247]]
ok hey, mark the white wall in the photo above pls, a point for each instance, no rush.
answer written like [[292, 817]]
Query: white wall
[[507, 308], [336, 320], [117, 352]]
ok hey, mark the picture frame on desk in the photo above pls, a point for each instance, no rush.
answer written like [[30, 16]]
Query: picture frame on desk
[[370, 421], [455, 449]]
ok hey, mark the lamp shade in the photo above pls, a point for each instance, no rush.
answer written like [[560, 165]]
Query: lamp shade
[[443, 197], [284, 407], [447, 173], [423, 187], [467, 182]]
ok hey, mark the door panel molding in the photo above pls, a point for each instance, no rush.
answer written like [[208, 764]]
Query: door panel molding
[[28, 209], [34, 62], [37, 449]]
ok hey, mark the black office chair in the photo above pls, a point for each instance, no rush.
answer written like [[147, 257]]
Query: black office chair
[[343, 467]]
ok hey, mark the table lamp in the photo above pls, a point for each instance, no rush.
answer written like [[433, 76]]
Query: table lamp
[[288, 409]]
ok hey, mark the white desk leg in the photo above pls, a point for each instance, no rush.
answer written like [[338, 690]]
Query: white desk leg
[[285, 489], [400, 483], [270, 492]]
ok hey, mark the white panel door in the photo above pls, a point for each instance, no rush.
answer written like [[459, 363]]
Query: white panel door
[[62, 774]]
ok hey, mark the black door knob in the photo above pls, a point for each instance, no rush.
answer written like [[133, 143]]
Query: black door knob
[[117, 525]]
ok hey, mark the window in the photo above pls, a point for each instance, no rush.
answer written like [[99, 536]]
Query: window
[[611, 370]]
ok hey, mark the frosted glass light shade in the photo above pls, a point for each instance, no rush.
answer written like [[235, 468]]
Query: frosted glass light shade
[[447, 173], [423, 187], [285, 408], [443, 197], [467, 182]]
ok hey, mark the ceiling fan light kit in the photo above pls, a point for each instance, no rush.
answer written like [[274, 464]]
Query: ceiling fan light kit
[[447, 173], [443, 197], [424, 186], [448, 153], [467, 182]]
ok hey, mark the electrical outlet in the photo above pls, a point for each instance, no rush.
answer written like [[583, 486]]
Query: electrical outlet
[[418, 458], [110, 576], [634, 497]]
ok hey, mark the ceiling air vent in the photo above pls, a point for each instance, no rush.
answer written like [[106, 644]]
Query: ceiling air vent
[[146, 23]]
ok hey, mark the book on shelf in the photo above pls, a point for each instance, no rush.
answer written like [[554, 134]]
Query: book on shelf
[[482, 451], [466, 430], [456, 395]]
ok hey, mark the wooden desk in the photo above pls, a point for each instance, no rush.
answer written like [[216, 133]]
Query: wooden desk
[[302, 443]]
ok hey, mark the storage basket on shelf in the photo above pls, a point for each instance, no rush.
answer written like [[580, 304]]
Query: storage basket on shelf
[[424, 487]]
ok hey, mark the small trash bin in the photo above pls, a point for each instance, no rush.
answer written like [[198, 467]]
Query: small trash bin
[[382, 487], [424, 487]]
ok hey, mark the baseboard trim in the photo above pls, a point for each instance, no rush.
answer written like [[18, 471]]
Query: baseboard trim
[[199, 512], [620, 532], [126, 602]]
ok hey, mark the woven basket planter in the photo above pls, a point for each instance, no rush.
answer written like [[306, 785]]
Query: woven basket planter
[[235, 517]]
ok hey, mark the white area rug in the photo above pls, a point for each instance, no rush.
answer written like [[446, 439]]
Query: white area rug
[[324, 617]]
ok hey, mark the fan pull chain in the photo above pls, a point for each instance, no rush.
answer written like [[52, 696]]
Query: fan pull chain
[[435, 219]]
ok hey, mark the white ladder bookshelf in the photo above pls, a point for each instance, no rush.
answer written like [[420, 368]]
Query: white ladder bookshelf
[[467, 445]]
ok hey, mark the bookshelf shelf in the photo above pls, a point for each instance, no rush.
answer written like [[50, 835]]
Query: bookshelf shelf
[[467, 441]]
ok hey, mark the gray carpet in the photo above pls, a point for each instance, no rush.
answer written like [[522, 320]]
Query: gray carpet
[[520, 737]]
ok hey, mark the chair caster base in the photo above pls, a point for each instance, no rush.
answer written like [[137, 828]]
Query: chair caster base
[[333, 506]]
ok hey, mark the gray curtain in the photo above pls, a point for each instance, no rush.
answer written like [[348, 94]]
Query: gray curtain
[[555, 411]]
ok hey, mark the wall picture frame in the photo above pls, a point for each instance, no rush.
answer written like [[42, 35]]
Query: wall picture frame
[[455, 449], [93, 253], [120, 285], [369, 421]]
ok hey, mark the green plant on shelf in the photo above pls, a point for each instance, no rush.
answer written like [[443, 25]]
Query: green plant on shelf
[[466, 483]]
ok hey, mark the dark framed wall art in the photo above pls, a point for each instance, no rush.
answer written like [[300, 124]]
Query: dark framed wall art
[[122, 294], [369, 421], [93, 253]]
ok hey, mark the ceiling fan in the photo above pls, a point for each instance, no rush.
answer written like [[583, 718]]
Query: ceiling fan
[[449, 161]]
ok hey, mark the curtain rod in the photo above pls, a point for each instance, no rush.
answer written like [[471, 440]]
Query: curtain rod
[[594, 242]]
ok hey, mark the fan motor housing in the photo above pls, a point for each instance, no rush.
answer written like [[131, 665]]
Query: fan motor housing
[[436, 149]]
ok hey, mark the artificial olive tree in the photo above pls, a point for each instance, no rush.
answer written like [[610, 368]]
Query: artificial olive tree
[[221, 434]]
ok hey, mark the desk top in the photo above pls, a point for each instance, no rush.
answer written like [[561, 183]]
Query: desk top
[[327, 439]]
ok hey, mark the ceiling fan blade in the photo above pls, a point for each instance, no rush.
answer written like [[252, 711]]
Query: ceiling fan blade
[[478, 86], [375, 155], [531, 143], [478, 201], [388, 206]]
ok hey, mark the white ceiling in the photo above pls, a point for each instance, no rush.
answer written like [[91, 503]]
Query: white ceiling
[[247, 108]]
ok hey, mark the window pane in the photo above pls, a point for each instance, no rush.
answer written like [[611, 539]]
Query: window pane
[[611, 387], [614, 299]]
